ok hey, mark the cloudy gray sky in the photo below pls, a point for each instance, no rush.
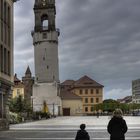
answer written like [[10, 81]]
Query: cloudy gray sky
[[99, 38]]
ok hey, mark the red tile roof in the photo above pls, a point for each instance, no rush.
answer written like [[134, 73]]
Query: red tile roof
[[85, 81], [68, 82], [64, 94]]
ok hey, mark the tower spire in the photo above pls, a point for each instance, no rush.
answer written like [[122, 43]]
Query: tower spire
[[28, 72]]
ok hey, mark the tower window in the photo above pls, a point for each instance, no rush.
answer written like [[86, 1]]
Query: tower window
[[53, 77], [44, 35], [45, 23]]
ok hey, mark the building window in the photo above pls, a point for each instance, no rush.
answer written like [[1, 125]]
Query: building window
[[86, 91], [9, 37], [86, 109], [1, 58], [81, 91], [92, 100], [9, 64], [5, 34], [97, 91], [5, 11], [92, 109], [9, 16], [86, 100], [1, 31], [18, 92], [97, 100], [91, 91], [5, 61], [1, 9]]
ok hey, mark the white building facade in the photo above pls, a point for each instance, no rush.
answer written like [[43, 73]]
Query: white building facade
[[45, 41]]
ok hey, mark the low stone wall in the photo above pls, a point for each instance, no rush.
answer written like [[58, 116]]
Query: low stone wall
[[4, 125]]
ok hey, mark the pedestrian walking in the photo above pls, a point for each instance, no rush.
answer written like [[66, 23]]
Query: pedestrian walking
[[82, 134], [117, 126]]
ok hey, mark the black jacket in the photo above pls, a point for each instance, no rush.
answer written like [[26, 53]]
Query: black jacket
[[82, 135], [117, 127]]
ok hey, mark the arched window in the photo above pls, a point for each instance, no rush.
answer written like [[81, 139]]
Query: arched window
[[45, 23]]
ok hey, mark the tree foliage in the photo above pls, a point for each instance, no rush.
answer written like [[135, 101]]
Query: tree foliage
[[19, 105], [110, 105]]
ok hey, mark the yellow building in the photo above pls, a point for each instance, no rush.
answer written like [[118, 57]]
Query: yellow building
[[18, 88], [89, 90], [71, 104]]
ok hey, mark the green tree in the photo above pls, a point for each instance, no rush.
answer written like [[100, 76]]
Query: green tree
[[19, 105]]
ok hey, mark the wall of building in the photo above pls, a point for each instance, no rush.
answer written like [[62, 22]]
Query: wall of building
[[46, 92], [90, 97], [75, 106], [136, 91], [46, 62], [6, 40], [18, 91], [6, 53], [28, 88]]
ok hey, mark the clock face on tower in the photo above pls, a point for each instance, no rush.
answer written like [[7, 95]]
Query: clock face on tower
[[44, 2]]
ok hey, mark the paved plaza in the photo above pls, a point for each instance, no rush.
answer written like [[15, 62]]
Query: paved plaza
[[64, 128], [73, 123]]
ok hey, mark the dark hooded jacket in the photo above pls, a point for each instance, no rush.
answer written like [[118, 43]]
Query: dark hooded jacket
[[82, 135], [117, 128]]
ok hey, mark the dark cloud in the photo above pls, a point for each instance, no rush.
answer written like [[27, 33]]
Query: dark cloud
[[98, 38]]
